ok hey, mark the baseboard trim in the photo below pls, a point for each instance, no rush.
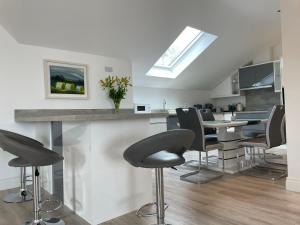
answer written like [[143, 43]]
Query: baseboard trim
[[9, 183], [293, 184]]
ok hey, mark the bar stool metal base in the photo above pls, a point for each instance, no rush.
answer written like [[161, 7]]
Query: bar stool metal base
[[162, 224], [34, 223], [51, 221], [17, 197], [145, 210], [54, 221], [21, 195]]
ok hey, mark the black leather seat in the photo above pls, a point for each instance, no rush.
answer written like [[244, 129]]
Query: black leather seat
[[160, 151], [21, 138], [30, 152], [19, 162], [163, 159]]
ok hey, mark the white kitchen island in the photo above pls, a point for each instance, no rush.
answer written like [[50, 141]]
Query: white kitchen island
[[94, 180]]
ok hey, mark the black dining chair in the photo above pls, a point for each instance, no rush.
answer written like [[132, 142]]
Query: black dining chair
[[274, 137], [191, 119], [207, 115]]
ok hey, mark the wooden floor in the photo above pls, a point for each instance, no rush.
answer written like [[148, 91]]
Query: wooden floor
[[17, 214], [232, 200]]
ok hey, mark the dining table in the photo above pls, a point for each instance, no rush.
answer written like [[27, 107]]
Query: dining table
[[229, 133]]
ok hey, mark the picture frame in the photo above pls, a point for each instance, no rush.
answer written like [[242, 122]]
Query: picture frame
[[65, 80]]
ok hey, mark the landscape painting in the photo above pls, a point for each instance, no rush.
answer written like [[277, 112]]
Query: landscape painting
[[65, 80]]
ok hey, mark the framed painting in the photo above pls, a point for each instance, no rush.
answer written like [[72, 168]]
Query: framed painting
[[65, 80]]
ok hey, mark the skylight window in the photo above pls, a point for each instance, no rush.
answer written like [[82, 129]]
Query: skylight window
[[182, 52], [184, 41]]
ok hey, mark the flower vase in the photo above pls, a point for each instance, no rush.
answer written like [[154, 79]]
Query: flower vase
[[117, 107]]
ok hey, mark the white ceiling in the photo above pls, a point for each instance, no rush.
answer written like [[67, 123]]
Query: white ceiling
[[141, 30]]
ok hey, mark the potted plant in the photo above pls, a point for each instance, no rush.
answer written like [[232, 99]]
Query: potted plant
[[116, 88]]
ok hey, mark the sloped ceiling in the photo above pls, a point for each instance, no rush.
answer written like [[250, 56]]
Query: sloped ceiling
[[141, 30]]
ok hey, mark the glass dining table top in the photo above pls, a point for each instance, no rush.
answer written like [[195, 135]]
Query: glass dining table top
[[224, 123]]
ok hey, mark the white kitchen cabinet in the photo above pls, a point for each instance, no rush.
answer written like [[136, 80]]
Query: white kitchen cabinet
[[277, 76], [223, 116], [158, 125], [228, 88]]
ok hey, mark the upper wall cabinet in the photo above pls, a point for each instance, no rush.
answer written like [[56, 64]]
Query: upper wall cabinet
[[264, 75], [228, 88]]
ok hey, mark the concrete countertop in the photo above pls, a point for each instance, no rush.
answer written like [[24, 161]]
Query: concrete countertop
[[73, 115]]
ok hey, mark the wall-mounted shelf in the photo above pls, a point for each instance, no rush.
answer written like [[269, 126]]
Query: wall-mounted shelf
[[228, 88]]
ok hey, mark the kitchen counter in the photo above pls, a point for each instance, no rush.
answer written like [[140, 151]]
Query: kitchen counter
[[72, 115], [94, 174]]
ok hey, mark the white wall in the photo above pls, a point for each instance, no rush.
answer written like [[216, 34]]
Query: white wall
[[277, 51], [268, 53], [174, 97], [22, 87], [290, 18]]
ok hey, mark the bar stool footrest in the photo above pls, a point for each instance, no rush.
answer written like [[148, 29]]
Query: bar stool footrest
[[50, 205], [142, 212]]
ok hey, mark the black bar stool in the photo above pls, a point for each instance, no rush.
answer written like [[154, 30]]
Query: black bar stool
[[35, 156], [160, 151], [21, 195]]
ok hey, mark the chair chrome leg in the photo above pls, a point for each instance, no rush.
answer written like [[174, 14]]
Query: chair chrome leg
[[160, 199], [254, 156], [202, 175], [238, 161], [200, 159], [21, 195], [223, 160]]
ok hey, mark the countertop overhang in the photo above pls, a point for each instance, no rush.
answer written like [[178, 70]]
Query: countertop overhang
[[75, 115]]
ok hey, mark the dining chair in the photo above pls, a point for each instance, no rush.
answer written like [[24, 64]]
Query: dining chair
[[191, 119], [207, 115], [274, 137]]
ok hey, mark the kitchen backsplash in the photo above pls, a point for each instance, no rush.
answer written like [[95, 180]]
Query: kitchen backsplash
[[261, 99], [220, 102]]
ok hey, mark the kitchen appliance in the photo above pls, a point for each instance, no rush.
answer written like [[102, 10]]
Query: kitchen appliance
[[142, 108], [225, 108], [198, 106], [239, 107], [210, 106], [257, 76]]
